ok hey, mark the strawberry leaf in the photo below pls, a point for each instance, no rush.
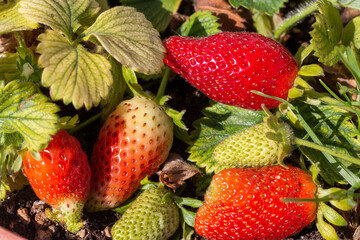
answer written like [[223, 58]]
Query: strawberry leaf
[[12, 20], [352, 33], [28, 113], [158, 12], [200, 24], [130, 38], [72, 73], [269, 7], [220, 122], [349, 3], [61, 15], [327, 33], [332, 125]]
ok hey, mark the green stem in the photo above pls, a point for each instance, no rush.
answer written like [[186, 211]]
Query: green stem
[[85, 123], [290, 21], [163, 84], [312, 145], [20, 39]]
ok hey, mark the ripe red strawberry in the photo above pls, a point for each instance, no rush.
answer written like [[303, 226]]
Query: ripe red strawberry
[[228, 65], [246, 203], [134, 141], [61, 178]]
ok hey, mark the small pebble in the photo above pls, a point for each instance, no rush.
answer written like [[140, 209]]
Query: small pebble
[[24, 215], [107, 231]]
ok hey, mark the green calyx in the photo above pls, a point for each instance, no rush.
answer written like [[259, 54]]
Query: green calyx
[[68, 213], [263, 144]]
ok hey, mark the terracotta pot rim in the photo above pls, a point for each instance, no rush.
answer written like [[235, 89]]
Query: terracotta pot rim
[[5, 234]]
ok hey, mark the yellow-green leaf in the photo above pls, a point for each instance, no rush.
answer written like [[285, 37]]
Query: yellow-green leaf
[[24, 111], [352, 33], [12, 20], [327, 33], [72, 73], [158, 12], [60, 15], [332, 216], [311, 70], [327, 231], [130, 38]]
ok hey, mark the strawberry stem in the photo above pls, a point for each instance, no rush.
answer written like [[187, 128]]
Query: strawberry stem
[[85, 123], [315, 146], [163, 85], [20, 39], [295, 17]]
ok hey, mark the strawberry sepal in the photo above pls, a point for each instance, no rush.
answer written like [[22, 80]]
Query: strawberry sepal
[[68, 213]]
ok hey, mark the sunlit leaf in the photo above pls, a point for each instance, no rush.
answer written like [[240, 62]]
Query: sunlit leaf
[[73, 74], [158, 12], [220, 122], [331, 215], [130, 38], [12, 20], [311, 70], [270, 7], [327, 33], [200, 24], [60, 15], [30, 114]]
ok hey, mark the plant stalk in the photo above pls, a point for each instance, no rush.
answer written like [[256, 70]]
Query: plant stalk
[[292, 20], [163, 84]]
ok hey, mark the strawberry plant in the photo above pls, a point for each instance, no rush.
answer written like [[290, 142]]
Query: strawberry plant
[[258, 101]]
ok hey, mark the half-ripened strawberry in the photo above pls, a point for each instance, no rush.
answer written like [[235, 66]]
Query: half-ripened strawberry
[[134, 141], [227, 66], [61, 178], [248, 203]]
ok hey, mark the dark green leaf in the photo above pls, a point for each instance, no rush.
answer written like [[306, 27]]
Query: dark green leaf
[[158, 12], [352, 33], [200, 24]]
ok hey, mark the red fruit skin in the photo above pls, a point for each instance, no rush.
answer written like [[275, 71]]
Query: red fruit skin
[[228, 65], [134, 141], [62, 174], [245, 203]]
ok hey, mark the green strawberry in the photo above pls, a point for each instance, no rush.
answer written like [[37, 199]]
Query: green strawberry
[[259, 145], [153, 215]]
